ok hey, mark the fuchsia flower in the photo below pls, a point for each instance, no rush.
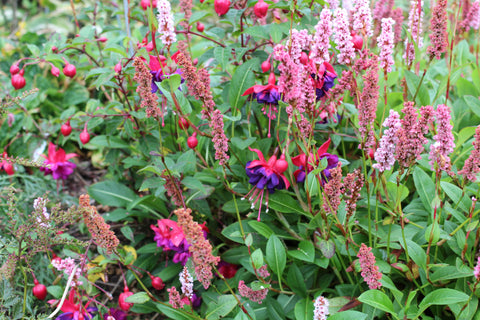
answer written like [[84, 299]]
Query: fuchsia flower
[[267, 95], [60, 167], [323, 79], [74, 310], [157, 67], [314, 160], [263, 175], [169, 236]]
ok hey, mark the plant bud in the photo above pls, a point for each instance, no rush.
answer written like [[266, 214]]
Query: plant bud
[[69, 70], [18, 81], [221, 6], [192, 141], [261, 9], [266, 66]]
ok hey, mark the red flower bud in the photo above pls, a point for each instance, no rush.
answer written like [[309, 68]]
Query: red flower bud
[[69, 70], [200, 27], [221, 6], [157, 283], [146, 3], [357, 41], [281, 165], [195, 61], [8, 167], [84, 135], [303, 58], [18, 81], [149, 46], [183, 123], [66, 129], [54, 49], [14, 69], [39, 290], [260, 9], [102, 39], [22, 72], [266, 66], [118, 67], [192, 141], [125, 306], [55, 71]]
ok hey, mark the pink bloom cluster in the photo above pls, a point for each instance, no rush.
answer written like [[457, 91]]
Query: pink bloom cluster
[[321, 41], [444, 141], [333, 4], [67, 265], [472, 19], [321, 308], [187, 282], [174, 298], [333, 189], [415, 18], [386, 43], [254, 295], [472, 164], [299, 41], [40, 207], [438, 26], [385, 153], [476, 270], [367, 107], [343, 37], [166, 26], [362, 17], [411, 135], [370, 272], [200, 248]]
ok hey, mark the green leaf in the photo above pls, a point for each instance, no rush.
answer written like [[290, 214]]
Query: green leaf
[[285, 204], [171, 313], [443, 296], [128, 233], [221, 307], [242, 144], [448, 273], [413, 82], [222, 55], [348, 315], [305, 252], [425, 187], [296, 281], [111, 193], [257, 258], [109, 141], [304, 309], [275, 255], [261, 228], [327, 247], [275, 310], [455, 193], [259, 32], [417, 254], [242, 79], [139, 297], [377, 299]]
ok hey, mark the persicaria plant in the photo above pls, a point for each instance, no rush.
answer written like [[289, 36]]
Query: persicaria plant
[[240, 160]]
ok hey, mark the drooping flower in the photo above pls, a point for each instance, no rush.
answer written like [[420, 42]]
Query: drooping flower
[[6, 165], [267, 95], [73, 308], [169, 236], [157, 68], [115, 314], [267, 175], [323, 79], [314, 159], [59, 166]]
